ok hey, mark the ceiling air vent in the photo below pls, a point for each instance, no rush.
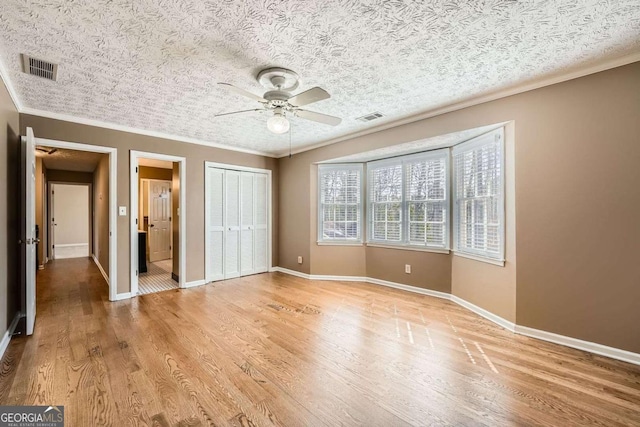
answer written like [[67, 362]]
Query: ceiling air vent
[[40, 68], [370, 117]]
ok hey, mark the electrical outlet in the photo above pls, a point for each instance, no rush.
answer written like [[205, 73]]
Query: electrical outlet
[[407, 268], [299, 260]]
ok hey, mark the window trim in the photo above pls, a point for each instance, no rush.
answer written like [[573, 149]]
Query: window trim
[[472, 144], [403, 160], [340, 242]]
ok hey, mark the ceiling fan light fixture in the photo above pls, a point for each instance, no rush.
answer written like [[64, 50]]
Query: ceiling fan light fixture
[[278, 123]]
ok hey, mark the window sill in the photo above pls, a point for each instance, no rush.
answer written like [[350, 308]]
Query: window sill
[[498, 262], [338, 243], [409, 248]]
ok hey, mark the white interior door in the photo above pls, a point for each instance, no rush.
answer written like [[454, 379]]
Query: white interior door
[[261, 238], [159, 220], [247, 227], [70, 220], [232, 225], [29, 233], [215, 224]]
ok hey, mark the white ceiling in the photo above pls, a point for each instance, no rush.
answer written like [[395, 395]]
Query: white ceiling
[[154, 65], [70, 160]]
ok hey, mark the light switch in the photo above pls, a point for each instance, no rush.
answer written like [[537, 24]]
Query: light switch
[[122, 211]]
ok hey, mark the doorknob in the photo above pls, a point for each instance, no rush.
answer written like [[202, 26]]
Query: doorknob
[[151, 225]]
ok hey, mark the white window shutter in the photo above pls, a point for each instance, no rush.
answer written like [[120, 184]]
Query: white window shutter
[[340, 203], [408, 200], [479, 196], [386, 201]]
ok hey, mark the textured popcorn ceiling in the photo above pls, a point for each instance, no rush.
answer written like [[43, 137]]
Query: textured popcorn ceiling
[[153, 65]]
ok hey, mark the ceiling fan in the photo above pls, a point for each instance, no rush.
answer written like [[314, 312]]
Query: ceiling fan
[[279, 83]]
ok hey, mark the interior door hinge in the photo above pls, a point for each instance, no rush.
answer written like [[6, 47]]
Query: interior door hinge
[[136, 272], [136, 221]]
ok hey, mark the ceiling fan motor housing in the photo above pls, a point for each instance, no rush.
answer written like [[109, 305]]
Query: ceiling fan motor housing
[[279, 79], [277, 98]]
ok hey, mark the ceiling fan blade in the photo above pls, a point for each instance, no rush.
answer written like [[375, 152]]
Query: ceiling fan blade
[[238, 112], [312, 95], [318, 117], [243, 92]]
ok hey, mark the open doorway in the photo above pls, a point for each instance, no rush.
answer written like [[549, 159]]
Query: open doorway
[[155, 218], [157, 229], [75, 205]]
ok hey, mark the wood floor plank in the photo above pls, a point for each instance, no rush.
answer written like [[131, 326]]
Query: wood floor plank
[[277, 350]]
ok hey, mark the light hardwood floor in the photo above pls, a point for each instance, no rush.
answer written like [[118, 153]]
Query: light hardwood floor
[[273, 349]]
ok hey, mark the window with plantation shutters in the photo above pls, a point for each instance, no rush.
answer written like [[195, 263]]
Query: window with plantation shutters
[[408, 200], [427, 201], [340, 203], [385, 192], [479, 196]]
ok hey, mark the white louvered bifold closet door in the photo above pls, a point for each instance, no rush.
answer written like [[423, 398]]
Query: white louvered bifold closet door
[[215, 224], [247, 238], [237, 240], [232, 225], [261, 223]]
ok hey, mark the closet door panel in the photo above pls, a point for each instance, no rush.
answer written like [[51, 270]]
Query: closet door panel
[[232, 225], [215, 224], [261, 239], [247, 189]]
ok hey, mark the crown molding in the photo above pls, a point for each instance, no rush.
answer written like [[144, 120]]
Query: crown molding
[[503, 93], [155, 134], [4, 75], [603, 66]]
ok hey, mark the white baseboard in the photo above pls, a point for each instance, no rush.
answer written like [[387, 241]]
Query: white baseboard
[[603, 350], [125, 295], [195, 283], [95, 260], [408, 288], [6, 338], [591, 347], [71, 250], [484, 313], [291, 272]]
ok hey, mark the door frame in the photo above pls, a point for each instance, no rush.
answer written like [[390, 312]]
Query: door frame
[[112, 279], [207, 210], [135, 156], [149, 181], [49, 216]]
